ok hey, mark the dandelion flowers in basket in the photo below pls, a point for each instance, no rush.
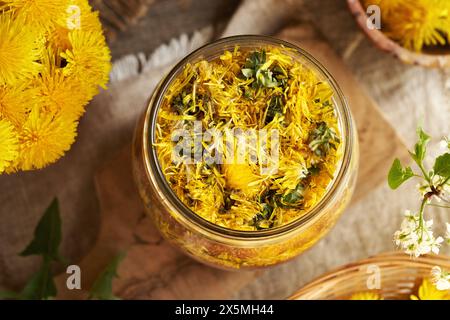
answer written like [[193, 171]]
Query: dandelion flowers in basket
[[415, 24], [53, 59]]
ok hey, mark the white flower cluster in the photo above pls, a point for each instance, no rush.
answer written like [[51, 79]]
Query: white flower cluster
[[415, 237], [441, 278]]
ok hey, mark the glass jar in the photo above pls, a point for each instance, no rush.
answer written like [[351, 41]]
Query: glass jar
[[233, 249]]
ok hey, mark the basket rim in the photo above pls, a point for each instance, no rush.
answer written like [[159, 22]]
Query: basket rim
[[386, 259]]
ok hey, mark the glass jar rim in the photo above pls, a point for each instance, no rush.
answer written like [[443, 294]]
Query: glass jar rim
[[153, 166]]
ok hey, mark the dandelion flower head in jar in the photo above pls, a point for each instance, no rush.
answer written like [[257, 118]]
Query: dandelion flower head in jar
[[249, 139]]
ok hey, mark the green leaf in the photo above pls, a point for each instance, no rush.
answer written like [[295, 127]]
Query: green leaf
[[102, 287], [274, 107], [253, 69], [262, 219], [397, 174], [247, 72], [41, 286], [47, 238], [420, 148], [293, 198], [9, 295], [322, 139], [442, 166], [266, 79], [314, 170], [47, 235]]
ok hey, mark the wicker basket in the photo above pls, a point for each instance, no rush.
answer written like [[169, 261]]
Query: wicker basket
[[437, 58], [400, 277]]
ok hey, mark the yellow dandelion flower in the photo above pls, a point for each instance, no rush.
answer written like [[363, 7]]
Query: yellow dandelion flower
[[428, 291], [418, 25], [15, 103], [44, 139], [61, 95], [58, 94], [77, 16], [366, 296], [88, 60], [415, 23], [53, 57], [241, 177], [20, 49], [387, 6], [89, 20], [59, 38], [243, 211], [38, 13], [8, 144]]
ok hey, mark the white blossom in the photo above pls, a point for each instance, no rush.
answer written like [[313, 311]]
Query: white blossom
[[440, 278], [416, 239], [444, 144]]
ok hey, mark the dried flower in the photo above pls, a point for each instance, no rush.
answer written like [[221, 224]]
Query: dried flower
[[250, 91]]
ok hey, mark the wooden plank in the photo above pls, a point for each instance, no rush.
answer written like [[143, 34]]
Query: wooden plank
[[155, 270]]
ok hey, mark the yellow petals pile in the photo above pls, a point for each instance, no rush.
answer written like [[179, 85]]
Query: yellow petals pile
[[266, 90], [415, 24], [53, 58]]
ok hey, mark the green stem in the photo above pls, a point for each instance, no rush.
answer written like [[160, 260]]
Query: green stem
[[422, 208], [425, 174]]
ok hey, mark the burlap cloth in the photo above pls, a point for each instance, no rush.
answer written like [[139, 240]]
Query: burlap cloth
[[406, 94]]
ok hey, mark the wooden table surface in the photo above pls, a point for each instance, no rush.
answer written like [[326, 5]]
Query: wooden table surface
[[406, 95]]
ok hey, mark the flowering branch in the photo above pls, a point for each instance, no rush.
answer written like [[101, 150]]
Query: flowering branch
[[415, 236]]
